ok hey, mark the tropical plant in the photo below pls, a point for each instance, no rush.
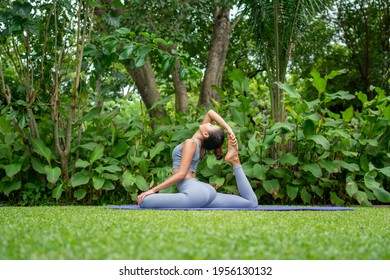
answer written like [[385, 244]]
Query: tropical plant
[[277, 24]]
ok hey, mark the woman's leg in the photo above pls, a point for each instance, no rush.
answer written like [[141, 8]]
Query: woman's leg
[[247, 198], [193, 194]]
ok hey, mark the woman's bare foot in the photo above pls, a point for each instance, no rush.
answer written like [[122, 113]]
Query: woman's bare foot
[[232, 154]]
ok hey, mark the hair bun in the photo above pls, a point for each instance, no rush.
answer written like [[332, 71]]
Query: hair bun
[[218, 153]]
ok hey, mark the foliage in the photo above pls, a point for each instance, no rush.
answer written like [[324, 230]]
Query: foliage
[[276, 25], [95, 233], [350, 35], [68, 134], [335, 158], [45, 126]]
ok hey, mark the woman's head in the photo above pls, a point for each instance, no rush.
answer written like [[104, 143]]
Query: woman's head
[[213, 138]]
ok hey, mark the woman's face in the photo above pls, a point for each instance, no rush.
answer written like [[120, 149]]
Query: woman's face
[[208, 127]]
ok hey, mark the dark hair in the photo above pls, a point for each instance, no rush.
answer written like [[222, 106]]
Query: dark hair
[[214, 142]]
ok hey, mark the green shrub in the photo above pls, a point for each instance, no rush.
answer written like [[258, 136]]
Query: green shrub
[[316, 156]]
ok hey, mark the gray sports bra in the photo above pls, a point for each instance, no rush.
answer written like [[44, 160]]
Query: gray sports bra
[[177, 155]]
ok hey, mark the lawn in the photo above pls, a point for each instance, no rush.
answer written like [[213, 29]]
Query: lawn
[[95, 233]]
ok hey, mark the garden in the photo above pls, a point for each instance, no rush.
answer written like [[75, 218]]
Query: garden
[[96, 94]]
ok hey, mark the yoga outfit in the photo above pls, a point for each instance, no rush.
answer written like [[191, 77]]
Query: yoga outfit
[[196, 194]]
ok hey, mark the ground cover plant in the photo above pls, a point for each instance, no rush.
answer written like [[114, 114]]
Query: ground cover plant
[[93, 232]]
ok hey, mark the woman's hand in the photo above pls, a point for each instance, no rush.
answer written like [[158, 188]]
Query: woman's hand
[[232, 136], [142, 196]]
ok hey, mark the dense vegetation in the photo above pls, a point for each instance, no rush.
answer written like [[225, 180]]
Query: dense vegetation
[[93, 103]]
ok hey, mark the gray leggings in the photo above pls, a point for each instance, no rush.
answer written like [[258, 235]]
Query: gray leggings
[[196, 194]]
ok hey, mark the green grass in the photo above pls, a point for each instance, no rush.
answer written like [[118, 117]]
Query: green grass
[[96, 233]]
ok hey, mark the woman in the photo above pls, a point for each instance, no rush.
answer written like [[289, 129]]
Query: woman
[[193, 193]]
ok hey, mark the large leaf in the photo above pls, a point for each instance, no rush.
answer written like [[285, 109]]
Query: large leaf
[[253, 143], [108, 185], [40, 148], [13, 169], [80, 194], [89, 146], [110, 177], [216, 181], [318, 190], [292, 191], [382, 195], [335, 73], [128, 180], [211, 161], [330, 166], [52, 174], [370, 182], [305, 196], [344, 95], [98, 182], [141, 183], [96, 154], [288, 159], [166, 63], [144, 166], [160, 146], [318, 82], [11, 186], [183, 73], [291, 91], [248, 169], [127, 52], [308, 127], [335, 199], [79, 179], [349, 166], [320, 140], [57, 192], [314, 169], [123, 31], [110, 168], [259, 171], [5, 125], [271, 186], [385, 171], [351, 187], [120, 149], [82, 163], [283, 127], [238, 117], [348, 114], [362, 198], [38, 166], [141, 56], [237, 75]]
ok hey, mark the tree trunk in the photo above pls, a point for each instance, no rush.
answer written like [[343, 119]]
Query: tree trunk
[[145, 81], [181, 96], [276, 93], [216, 57]]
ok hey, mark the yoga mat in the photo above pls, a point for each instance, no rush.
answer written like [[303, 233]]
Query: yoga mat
[[258, 208]]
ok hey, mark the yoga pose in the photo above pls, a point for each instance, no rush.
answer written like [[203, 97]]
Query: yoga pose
[[193, 193]]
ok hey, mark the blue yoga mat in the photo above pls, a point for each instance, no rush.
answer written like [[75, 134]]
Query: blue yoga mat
[[258, 208]]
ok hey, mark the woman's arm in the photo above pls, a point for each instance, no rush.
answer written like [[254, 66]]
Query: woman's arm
[[189, 148], [213, 116]]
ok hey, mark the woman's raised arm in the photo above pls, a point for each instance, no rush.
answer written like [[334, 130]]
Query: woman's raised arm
[[213, 116]]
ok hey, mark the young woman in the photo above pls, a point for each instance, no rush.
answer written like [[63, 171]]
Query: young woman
[[193, 193]]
